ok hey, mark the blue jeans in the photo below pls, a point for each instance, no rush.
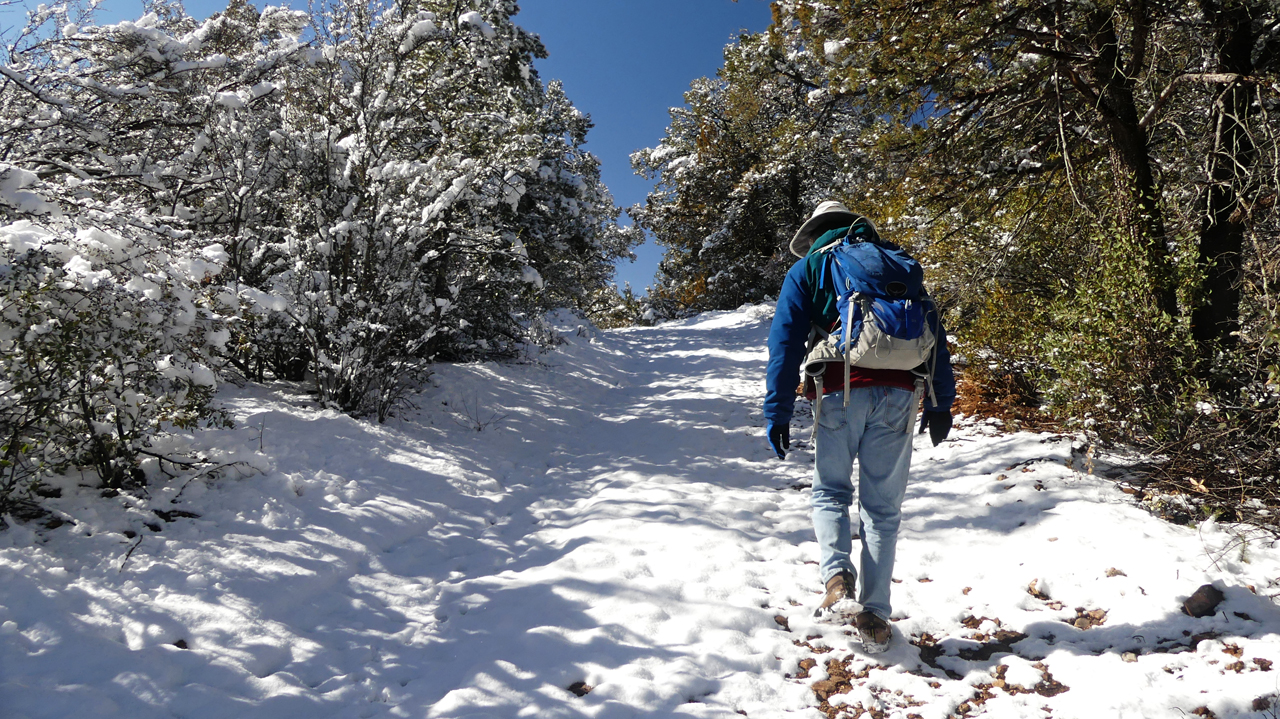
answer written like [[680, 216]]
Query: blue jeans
[[875, 429]]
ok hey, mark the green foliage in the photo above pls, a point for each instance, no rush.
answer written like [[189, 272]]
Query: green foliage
[[741, 166], [1091, 185], [611, 308], [1113, 357]]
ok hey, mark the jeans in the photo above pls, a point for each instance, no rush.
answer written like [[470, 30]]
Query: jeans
[[875, 429]]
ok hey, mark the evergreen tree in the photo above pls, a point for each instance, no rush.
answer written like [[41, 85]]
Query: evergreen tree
[[743, 163]]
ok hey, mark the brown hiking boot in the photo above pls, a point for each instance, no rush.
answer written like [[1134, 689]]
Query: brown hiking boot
[[838, 601], [874, 631]]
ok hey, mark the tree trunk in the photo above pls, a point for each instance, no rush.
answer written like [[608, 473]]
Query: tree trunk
[[1222, 229], [1136, 191]]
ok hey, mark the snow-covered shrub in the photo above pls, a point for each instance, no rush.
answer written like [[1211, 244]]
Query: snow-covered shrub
[[398, 188], [104, 341], [439, 199], [113, 315]]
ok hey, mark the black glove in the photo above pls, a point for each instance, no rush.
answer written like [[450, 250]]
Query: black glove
[[938, 422], [780, 438]]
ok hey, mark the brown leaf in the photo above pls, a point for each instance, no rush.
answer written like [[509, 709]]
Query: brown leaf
[[1035, 592]]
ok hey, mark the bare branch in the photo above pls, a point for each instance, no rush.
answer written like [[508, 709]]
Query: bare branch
[[1208, 78]]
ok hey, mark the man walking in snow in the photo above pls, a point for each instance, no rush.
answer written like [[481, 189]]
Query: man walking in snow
[[873, 425]]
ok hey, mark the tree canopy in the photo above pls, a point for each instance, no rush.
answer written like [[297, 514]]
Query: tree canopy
[[1092, 186]]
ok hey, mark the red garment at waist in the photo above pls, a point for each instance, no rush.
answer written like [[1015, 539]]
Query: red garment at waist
[[833, 379]]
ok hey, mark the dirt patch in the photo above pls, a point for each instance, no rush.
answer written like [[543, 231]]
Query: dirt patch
[[1000, 641]]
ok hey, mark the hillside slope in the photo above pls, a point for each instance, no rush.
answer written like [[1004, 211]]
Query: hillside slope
[[604, 533]]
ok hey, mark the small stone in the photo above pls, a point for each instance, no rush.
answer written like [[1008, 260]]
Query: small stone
[[1129, 657], [1204, 602], [580, 689]]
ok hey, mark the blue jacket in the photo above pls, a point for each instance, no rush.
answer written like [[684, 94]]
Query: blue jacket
[[797, 310]]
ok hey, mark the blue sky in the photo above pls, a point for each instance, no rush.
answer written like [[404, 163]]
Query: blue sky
[[624, 62]]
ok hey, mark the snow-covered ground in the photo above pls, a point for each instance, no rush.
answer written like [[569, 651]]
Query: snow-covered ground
[[604, 533]]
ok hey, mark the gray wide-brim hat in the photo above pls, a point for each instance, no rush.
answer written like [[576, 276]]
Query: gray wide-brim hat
[[827, 216]]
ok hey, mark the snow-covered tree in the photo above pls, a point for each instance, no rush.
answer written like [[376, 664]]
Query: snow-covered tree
[[743, 163], [400, 187], [443, 200]]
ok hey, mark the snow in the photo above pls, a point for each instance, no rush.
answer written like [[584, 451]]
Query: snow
[[423, 28], [14, 182], [608, 514], [531, 276], [82, 269], [25, 235], [230, 100], [264, 300], [475, 20]]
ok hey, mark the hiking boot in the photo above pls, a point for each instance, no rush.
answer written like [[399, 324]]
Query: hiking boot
[[874, 631], [838, 603]]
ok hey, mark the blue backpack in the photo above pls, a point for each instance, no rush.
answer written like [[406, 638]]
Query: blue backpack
[[887, 320]]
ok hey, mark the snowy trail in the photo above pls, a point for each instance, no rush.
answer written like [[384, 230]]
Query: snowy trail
[[617, 524]]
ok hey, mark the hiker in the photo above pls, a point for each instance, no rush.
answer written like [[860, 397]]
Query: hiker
[[862, 412]]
